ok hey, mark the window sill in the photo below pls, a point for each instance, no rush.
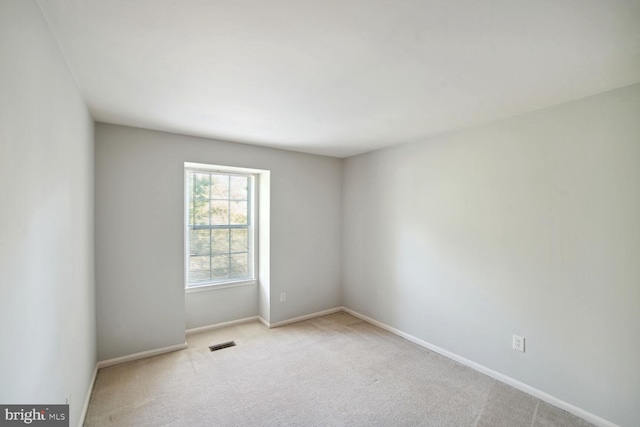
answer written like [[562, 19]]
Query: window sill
[[224, 285]]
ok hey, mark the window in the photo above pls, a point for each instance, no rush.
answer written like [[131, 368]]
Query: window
[[220, 231]]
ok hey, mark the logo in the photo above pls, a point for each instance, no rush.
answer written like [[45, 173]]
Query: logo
[[37, 415]]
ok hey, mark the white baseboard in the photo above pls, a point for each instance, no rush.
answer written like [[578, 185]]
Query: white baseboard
[[579, 412], [220, 325], [586, 415], [141, 355], [305, 317], [87, 399]]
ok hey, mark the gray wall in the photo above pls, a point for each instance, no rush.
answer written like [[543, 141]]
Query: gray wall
[[139, 237], [47, 310], [529, 225]]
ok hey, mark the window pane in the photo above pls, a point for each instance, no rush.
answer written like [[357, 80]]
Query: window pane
[[219, 212], [199, 242], [201, 188], [220, 266], [199, 214], [239, 187], [220, 243], [219, 186], [239, 240], [199, 269], [239, 265], [239, 212]]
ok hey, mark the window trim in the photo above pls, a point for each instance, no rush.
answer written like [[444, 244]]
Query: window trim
[[253, 221], [222, 285]]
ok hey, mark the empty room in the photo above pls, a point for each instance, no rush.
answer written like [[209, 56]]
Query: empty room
[[320, 213]]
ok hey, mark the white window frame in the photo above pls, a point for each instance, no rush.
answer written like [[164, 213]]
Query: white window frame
[[253, 221]]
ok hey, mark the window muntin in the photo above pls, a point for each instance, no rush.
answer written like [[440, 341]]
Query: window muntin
[[220, 230]]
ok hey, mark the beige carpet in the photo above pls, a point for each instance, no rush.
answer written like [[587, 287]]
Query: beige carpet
[[334, 370]]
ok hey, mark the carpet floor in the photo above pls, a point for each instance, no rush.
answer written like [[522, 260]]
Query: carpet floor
[[334, 370]]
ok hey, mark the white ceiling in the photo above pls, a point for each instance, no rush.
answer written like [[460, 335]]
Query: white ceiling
[[339, 77]]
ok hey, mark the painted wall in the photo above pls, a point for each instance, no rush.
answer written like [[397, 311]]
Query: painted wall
[[47, 310], [529, 226], [139, 237]]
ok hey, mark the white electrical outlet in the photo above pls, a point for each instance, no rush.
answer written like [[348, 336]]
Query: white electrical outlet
[[518, 343], [283, 296]]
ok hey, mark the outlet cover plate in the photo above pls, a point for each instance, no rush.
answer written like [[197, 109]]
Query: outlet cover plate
[[518, 343]]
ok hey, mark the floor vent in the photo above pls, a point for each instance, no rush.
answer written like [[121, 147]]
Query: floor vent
[[223, 345]]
